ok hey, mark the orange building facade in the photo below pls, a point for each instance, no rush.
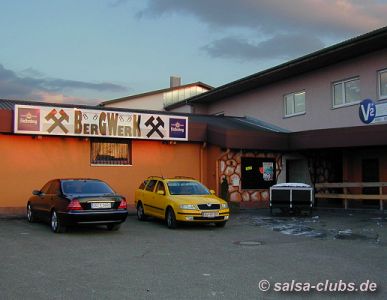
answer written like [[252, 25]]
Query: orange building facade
[[29, 162], [42, 141], [29, 159]]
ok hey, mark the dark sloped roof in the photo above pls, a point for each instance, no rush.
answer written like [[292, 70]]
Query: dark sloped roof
[[361, 45], [6, 104], [356, 136], [201, 84], [236, 123]]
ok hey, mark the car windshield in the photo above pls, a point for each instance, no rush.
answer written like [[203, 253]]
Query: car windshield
[[85, 187], [187, 188]]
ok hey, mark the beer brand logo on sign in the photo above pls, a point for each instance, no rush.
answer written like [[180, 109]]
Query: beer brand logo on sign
[[29, 119], [177, 128]]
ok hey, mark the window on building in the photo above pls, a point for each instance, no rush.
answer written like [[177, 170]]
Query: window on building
[[346, 92], [294, 104], [111, 153], [382, 79]]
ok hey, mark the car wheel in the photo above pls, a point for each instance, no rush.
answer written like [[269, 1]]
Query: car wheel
[[220, 224], [30, 214], [56, 223], [171, 219], [113, 227], [140, 212]]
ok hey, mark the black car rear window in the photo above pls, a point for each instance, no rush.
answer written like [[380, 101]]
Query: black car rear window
[[85, 187]]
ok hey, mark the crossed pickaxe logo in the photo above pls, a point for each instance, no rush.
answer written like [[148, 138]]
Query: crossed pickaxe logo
[[57, 122], [155, 127]]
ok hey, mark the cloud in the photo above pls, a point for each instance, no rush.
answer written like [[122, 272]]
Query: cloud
[[308, 22], [325, 16], [279, 46], [52, 97], [117, 3], [30, 84], [31, 72], [64, 84]]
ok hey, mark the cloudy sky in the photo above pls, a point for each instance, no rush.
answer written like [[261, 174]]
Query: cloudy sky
[[89, 51]]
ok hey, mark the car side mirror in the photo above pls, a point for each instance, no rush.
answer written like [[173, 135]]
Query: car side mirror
[[160, 192], [36, 192], [212, 192]]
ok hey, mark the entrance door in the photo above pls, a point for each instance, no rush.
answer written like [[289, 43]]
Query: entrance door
[[370, 173], [297, 171]]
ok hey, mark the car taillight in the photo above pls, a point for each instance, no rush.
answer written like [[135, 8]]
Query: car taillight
[[123, 204], [74, 205]]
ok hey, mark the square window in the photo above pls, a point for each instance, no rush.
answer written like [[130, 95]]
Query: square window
[[382, 84], [346, 92], [110, 153], [294, 104]]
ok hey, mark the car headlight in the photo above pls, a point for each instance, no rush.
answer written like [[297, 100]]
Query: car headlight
[[188, 206], [223, 205]]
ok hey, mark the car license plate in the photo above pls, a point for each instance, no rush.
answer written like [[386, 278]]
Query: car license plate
[[211, 214], [97, 205]]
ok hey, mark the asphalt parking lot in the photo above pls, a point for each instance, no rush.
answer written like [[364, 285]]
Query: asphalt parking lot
[[145, 260]]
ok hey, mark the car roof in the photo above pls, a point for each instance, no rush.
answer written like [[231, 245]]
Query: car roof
[[78, 179], [176, 178]]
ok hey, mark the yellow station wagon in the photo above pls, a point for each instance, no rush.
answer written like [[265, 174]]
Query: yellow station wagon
[[179, 200]]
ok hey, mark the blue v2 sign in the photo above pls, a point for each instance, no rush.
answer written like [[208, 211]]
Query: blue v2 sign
[[367, 111]]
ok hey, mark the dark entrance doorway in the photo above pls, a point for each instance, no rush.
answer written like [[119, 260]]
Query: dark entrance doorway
[[370, 173], [297, 171]]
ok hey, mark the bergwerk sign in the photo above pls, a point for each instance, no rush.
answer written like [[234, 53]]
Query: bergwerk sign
[[44, 120]]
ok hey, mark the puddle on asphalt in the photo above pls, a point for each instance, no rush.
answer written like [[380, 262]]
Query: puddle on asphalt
[[349, 235], [313, 228], [299, 230]]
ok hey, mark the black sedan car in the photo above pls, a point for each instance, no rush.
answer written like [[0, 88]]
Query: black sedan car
[[66, 202]]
